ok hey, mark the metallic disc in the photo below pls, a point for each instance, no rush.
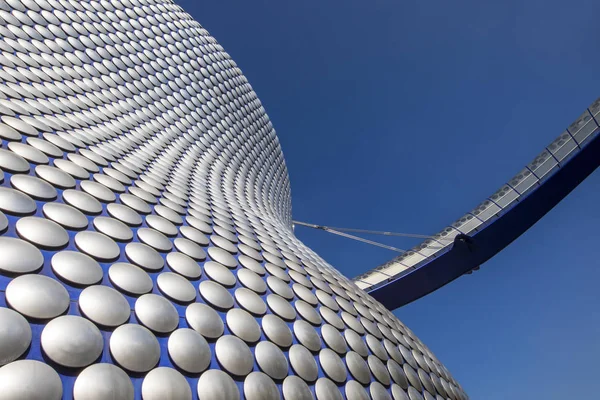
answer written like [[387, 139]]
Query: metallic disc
[[280, 288], [307, 335], [258, 386], [243, 325], [3, 222], [358, 367], [198, 224], [130, 279], [72, 341], [65, 215], [104, 306], [307, 312], [376, 347], [221, 256], [353, 323], [294, 388], [413, 394], [325, 389], [277, 331], [154, 239], [216, 295], [399, 394], [184, 265], [420, 359], [156, 313], [103, 382], [436, 381], [356, 343], [219, 273], [99, 191], [30, 379], [327, 300], [305, 294], [251, 264], [217, 385], [379, 392], [355, 391], [34, 187], [42, 232], [45, 147], [426, 380], [72, 169], [37, 296], [277, 272], [97, 245], [251, 280], [124, 214], [168, 213], [204, 320], [176, 287], [408, 356], [333, 339], [281, 307], [14, 202], [55, 176], [18, 256], [300, 279], [82, 201], [223, 244], [271, 360], [250, 252], [303, 363], [20, 125], [144, 256], [332, 365], [134, 347], [250, 301], [332, 318], [15, 335], [12, 162], [397, 374], [412, 376], [194, 235], [190, 248], [189, 350], [393, 351], [113, 228], [8, 133], [379, 370], [77, 268], [225, 234], [161, 224], [165, 383], [234, 355], [371, 328], [135, 203]]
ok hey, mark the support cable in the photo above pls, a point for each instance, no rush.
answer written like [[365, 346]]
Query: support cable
[[384, 233], [346, 235]]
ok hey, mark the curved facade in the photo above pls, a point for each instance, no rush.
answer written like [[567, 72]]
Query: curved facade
[[146, 248]]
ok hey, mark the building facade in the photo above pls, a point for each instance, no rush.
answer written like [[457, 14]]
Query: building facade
[[146, 246]]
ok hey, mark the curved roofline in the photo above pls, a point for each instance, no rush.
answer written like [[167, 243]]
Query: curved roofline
[[496, 222]]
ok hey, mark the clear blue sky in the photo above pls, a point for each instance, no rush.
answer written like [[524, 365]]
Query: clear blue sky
[[403, 115]]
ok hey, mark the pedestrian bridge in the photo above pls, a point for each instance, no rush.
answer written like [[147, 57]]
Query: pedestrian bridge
[[501, 218]]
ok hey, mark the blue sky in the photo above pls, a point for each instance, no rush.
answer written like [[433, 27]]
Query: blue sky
[[403, 116]]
